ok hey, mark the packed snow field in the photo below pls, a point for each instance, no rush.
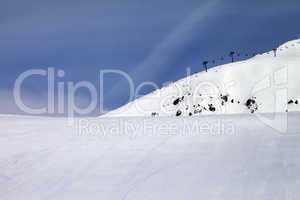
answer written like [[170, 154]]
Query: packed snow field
[[209, 157]]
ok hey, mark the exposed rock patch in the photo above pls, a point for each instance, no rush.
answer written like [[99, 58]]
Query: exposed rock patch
[[251, 104]]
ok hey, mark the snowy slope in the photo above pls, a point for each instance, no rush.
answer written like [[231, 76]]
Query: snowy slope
[[261, 84], [224, 157]]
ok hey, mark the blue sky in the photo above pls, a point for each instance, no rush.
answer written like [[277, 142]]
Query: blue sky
[[150, 40]]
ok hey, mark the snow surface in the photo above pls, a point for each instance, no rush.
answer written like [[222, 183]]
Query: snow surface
[[208, 157], [268, 83], [232, 155]]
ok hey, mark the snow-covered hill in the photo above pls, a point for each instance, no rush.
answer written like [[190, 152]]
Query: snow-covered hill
[[263, 84]]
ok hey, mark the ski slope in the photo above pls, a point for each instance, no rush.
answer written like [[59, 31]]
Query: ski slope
[[209, 157], [261, 84], [248, 149]]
